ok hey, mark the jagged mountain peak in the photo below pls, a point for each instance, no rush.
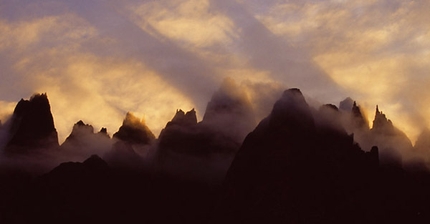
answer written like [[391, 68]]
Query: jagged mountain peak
[[134, 130], [33, 124], [381, 122], [80, 129], [183, 118], [103, 131], [293, 109]]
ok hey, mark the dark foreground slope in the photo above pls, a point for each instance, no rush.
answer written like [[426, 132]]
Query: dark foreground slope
[[94, 192]]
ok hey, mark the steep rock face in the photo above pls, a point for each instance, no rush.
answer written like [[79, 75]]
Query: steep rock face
[[292, 169], [32, 125], [134, 131], [391, 141], [358, 119]]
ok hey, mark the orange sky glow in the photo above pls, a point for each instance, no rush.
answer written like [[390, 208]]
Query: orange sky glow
[[97, 59]]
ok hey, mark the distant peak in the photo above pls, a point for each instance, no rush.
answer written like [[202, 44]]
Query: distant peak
[[346, 104], [134, 130]]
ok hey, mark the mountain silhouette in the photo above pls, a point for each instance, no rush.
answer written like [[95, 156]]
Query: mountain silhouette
[[228, 118], [390, 140], [229, 111], [32, 125], [292, 169], [83, 142], [135, 131], [300, 164]]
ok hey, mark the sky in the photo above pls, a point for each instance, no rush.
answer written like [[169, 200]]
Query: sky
[[98, 59]]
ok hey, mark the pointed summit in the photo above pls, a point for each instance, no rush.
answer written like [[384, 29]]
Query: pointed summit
[[134, 131], [358, 119], [391, 141], [103, 132], [346, 104], [80, 129], [33, 124], [292, 110], [381, 123]]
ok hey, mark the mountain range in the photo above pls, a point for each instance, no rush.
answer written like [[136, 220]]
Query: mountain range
[[299, 164]]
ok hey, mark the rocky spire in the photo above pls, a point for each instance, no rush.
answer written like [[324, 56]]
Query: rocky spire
[[134, 130], [381, 123], [359, 120], [33, 124]]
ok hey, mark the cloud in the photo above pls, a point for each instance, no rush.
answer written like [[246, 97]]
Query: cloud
[[99, 59], [189, 22]]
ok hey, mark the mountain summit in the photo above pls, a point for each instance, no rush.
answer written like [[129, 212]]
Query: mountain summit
[[134, 131], [32, 125]]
